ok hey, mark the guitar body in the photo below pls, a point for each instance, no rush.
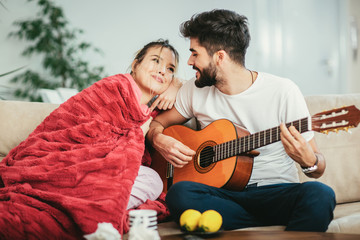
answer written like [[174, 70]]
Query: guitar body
[[232, 173]]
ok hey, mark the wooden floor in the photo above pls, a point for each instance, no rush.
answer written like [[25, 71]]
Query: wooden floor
[[266, 235]]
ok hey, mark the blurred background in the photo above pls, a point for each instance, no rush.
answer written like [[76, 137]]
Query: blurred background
[[313, 42]]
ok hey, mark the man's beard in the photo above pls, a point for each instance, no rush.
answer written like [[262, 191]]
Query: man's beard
[[207, 76]]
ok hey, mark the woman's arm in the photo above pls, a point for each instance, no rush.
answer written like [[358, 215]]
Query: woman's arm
[[166, 100]]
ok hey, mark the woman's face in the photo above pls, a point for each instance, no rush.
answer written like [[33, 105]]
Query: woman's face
[[156, 71]]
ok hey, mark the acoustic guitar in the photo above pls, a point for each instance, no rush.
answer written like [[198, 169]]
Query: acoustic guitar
[[222, 156]]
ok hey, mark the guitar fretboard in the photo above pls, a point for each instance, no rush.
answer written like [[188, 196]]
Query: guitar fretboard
[[256, 140]]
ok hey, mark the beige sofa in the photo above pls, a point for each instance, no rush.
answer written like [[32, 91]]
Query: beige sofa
[[341, 150]]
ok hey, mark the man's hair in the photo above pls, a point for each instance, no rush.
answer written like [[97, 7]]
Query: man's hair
[[219, 29]]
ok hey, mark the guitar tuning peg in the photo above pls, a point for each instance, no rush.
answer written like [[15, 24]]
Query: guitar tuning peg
[[346, 129], [336, 130]]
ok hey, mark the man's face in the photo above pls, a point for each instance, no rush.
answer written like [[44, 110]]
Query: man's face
[[203, 64]]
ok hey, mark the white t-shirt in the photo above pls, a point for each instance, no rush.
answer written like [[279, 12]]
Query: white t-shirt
[[267, 103]]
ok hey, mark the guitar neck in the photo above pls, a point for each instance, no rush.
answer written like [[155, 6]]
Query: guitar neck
[[256, 140]]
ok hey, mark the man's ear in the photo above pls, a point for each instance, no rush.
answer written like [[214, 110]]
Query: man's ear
[[220, 56]]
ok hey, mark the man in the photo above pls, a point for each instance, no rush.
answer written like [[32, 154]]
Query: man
[[225, 88]]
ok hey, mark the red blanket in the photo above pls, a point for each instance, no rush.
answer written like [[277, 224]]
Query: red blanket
[[77, 167]]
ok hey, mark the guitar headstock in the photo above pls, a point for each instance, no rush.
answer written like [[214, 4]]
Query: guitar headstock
[[336, 119]]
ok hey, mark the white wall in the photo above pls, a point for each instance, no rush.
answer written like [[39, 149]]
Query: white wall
[[119, 28], [353, 53]]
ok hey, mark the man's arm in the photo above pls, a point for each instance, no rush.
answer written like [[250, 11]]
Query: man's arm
[[171, 149], [304, 153]]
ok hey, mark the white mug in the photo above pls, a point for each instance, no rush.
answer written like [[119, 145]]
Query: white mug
[[143, 217]]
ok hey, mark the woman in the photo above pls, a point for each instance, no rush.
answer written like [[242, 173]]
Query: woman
[[147, 67], [78, 167]]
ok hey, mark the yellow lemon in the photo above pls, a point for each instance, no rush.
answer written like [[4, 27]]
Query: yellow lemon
[[210, 221], [189, 220]]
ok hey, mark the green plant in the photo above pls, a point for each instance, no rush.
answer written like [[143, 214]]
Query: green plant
[[49, 36]]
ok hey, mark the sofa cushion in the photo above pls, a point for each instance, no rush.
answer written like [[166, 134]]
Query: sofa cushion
[[18, 119], [345, 209], [347, 224], [341, 150]]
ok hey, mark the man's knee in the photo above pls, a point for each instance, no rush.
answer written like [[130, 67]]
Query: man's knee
[[319, 192], [177, 192], [318, 199], [314, 210], [178, 199]]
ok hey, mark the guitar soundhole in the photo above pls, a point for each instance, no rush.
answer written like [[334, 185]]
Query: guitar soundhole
[[206, 157]]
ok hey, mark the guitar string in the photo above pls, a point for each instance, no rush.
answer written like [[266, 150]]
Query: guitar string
[[257, 136], [207, 158], [255, 142], [224, 153]]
